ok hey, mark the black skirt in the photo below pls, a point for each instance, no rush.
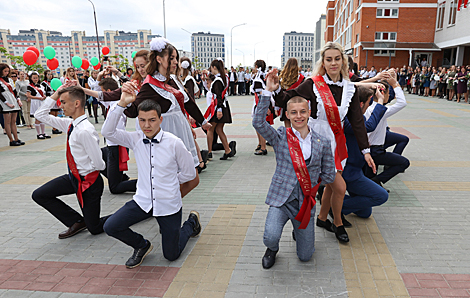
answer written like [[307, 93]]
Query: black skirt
[[227, 115]]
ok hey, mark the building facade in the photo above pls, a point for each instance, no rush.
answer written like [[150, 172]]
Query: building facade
[[384, 33], [452, 32], [298, 45], [77, 44], [320, 27], [206, 47]]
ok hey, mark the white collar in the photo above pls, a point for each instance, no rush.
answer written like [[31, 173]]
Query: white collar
[[297, 133], [78, 120], [159, 76], [330, 82], [158, 137], [217, 75]]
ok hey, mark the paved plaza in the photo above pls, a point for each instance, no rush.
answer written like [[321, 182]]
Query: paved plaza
[[415, 245]]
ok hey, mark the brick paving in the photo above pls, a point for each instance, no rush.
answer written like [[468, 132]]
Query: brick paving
[[416, 245]]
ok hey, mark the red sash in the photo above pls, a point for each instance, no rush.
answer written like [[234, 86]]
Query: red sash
[[269, 118], [88, 179], [123, 158], [37, 89], [8, 86], [210, 112], [300, 168], [178, 95], [332, 113], [296, 84]]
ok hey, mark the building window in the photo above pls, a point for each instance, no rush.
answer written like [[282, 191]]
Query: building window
[[357, 37], [440, 15], [452, 12], [385, 36], [384, 53], [387, 12], [389, 1]]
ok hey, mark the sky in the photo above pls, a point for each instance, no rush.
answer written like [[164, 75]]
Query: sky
[[266, 21]]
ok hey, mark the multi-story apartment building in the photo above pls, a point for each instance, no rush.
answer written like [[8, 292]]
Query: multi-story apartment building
[[77, 44], [384, 33], [298, 45], [320, 27], [207, 47], [452, 32]]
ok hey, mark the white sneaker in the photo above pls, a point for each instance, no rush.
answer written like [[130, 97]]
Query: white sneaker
[[20, 125]]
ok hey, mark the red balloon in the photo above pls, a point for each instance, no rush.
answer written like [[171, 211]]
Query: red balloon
[[105, 51], [30, 57], [97, 66], [53, 63], [85, 64], [34, 49], [58, 102]]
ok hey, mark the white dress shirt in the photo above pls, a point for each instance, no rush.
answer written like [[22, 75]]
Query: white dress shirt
[[93, 84], [305, 144], [162, 166], [377, 137], [84, 141], [111, 105]]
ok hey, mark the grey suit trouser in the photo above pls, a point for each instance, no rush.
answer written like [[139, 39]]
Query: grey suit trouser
[[275, 221]]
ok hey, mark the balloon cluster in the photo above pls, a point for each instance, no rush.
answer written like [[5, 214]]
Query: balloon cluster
[[31, 56]]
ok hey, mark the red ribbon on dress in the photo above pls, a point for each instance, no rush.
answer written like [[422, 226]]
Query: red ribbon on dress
[[332, 113], [210, 112], [178, 95], [296, 84], [301, 171], [123, 158], [8, 86], [37, 89], [270, 117], [88, 179]]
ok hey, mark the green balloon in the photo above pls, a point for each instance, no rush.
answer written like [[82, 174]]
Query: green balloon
[[133, 54], [56, 83], [76, 61], [94, 61], [49, 52]]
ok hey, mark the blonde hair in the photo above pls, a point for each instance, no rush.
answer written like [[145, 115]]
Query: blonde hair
[[290, 73], [296, 99], [319, 69], [74, 74]]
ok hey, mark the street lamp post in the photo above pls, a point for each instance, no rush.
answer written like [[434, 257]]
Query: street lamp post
[[164, 20], [231, 42], [243, 56], [96, 28]]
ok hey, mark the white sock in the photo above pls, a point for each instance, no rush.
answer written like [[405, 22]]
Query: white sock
[[38, 128], [43, 128]]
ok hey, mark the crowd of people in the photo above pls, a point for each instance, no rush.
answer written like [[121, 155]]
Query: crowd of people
[[333, 138]]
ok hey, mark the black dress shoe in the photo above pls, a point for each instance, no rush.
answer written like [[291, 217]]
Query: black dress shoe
[[15, 143], [226, 156], [20, 142], [327, 225], [197, 227], [346, 223], [258, 148], [199, 168], [209, 155], [204, 155], [267, 144], [269, 258], [73, 230], [138, 256], [56, 132], [233, 148], [41, 137], [261, 152], [340, 233], [47, 136]]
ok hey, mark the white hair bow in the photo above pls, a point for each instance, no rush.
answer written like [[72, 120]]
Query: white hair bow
[[158, 44], [185, 64]]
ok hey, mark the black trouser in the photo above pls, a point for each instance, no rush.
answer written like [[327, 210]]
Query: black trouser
[[19, 117], [232, 88], [247, 88], [115, 183], [442, 90], [397, 163], [241, 88], [46, 196]]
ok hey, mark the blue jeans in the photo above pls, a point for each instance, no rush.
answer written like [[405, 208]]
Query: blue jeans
[[393, 138], [363, 195], [174, 236], [276, 219]]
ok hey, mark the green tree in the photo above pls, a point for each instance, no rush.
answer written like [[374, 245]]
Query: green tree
[[18, 61], [196, 63], [122, 64]]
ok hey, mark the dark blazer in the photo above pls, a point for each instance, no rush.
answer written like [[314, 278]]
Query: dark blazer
[[321, 165], [234, 75], [355, 161]]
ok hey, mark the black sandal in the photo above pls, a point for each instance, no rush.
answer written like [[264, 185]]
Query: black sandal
[[258, 148], [199, 168], [262, 152]]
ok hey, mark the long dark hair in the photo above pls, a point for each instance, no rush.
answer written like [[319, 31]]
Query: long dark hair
[[31, 78], [219, 64], [260, 63], [2, 67], [153, 65], [45, 75]]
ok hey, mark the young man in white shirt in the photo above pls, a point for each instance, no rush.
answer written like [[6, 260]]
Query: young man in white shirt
[[164, 167], [83, 160]]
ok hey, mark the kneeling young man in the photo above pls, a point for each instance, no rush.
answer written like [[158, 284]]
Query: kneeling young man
[[302, 158], [164, 165]]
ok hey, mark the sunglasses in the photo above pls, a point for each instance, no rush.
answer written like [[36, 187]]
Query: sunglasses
[[14, 76]]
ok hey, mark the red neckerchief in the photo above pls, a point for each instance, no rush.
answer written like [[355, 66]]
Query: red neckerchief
[[332, 113], [88, 179], [210, 112], [301, 171], [296, 84], [178, 95], [8, 86], [123, 158], [37, 89]]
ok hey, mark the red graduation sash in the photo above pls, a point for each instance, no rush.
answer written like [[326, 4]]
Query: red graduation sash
[[332, 113], [296, 84], [8, 86], [300, 168], [210, 112], [269, 118], [178, 95], [88, 179], [123, 158], [37, 89]]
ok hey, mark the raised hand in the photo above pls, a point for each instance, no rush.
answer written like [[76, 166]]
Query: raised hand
[[272, 80]]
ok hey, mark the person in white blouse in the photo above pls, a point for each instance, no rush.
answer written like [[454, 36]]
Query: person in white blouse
[[84, 163], [164, 167]]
